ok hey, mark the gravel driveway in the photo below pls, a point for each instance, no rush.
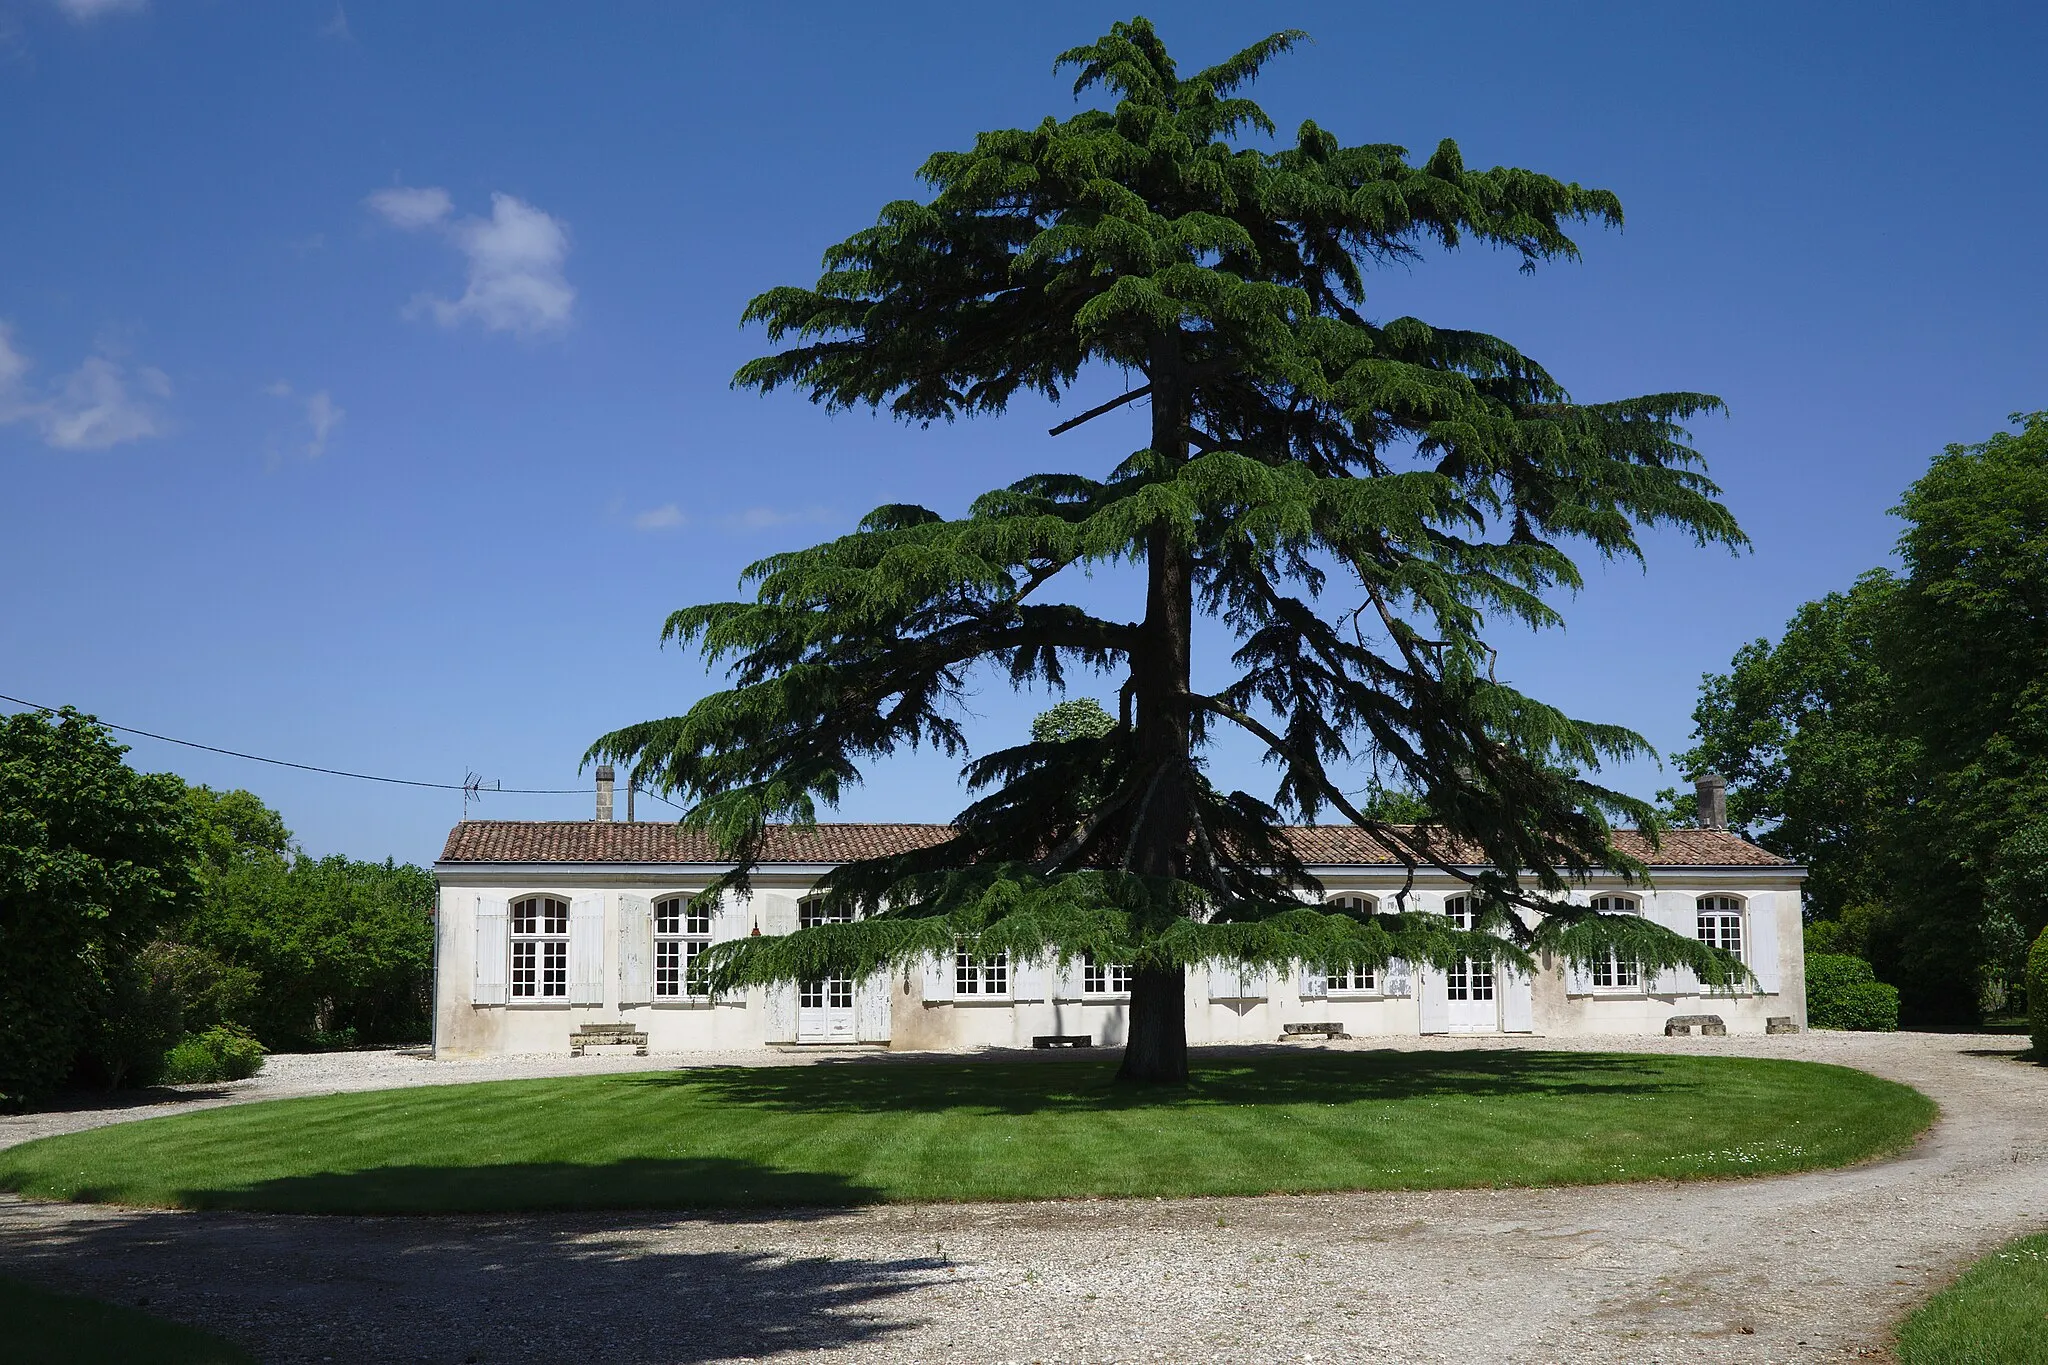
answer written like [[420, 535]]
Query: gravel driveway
[[1808, 1267]]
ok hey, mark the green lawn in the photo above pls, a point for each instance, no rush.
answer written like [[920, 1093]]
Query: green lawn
[[58, 1329], [872, 1131], [1996, 1314]]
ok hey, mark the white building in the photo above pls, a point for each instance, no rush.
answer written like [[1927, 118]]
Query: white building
[[544, 928]]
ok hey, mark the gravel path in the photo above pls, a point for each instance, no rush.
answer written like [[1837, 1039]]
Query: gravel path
[[1796, 1268]]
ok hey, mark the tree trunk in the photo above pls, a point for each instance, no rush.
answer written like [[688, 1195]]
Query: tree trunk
[[1156, 1047]]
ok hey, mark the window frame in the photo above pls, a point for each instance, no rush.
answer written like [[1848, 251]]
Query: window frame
[[1464, 982], [1360, 983], [1636, 982], [991, 977], [687, 941], [537, 941], [1726, 908], [1107, 974]]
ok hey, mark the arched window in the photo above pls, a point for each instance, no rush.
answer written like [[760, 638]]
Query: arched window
[[681, 932], [1613, 972], [540, 948], [812, 911], [1352, 980], [1720, 924]]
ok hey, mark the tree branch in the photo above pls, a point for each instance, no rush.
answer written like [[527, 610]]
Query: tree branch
[[1111, 406]]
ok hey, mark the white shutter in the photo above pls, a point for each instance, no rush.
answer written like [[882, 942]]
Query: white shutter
[[1436, 1002], [1678, 914], [586, 950], [1399, 977], [1762, 952], [1028, 980], [730, 920], [938, 977], [1577, 980], [1255, 983], [492, 949], [1315, 984], [636, 950], [1067, 981], [777, 912], [779, 1016], [1224, 983], [871, 1008], [1517, 1002]]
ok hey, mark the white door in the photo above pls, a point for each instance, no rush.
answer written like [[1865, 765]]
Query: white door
[[1469, 986], [824, 1010]]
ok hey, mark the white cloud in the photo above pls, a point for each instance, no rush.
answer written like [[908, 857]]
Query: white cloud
[[761, 518], [85, 11], [337, 28], [97, 405], [413, 208], [515, 260], [663, 518], [322, 416]]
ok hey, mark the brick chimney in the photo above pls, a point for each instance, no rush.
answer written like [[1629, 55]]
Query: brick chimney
[[604, 792], [1713, 796]]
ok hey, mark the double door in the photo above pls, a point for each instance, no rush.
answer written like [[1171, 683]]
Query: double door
[[824, 1010]]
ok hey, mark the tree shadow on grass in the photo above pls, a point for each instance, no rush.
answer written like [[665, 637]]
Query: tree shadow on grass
[[706, 1183], [540, 1288], [998, 1085]]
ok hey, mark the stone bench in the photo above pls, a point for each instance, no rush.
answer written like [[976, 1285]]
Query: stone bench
[[1312, 1031], [1708, 1025], [1780, 1023], [1064, 1040], [607, 1035]]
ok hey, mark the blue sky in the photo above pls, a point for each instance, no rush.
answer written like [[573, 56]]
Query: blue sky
[[364, 393]]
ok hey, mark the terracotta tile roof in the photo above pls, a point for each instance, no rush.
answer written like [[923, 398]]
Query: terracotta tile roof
[[588, 841]]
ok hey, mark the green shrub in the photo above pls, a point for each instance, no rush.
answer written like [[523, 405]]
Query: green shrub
[[1843, 993], [2037, 996], [221, 1053]]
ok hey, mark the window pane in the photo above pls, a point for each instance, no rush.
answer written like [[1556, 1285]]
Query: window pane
[[523, 969], [522, 916], [554, 968], [668, 968], [555, 916], [668, 917]]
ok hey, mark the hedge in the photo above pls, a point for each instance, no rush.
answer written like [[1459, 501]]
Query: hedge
[[1843, 993]]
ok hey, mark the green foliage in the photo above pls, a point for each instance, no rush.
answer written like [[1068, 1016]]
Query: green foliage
[[220, 1053], [1350, 500], [2037, 997], [1078, 718], [1993, 1315], [67, 1329], [1895, 740], [336, 950], [1843, 993], [862, 1133], [1396, 806], [94, 857]]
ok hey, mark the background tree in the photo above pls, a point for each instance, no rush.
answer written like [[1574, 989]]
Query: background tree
[[1895, 739], [304, 952], [1350, 500], [94, 857]]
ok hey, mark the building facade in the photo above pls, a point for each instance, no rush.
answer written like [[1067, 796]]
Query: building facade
[[543, 928]]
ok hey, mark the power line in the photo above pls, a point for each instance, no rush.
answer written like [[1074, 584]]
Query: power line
[[473, 787]]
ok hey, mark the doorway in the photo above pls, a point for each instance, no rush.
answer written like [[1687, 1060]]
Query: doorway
[[1469, 985], [824, 1010]]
